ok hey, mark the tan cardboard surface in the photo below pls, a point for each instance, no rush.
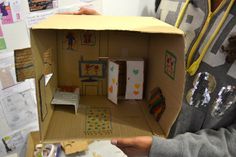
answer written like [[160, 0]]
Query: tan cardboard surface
[[42, 41], [94, 22], [129, 118], [33, 139], [172, 89]]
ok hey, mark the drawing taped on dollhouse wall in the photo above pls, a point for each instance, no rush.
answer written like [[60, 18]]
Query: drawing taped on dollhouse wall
[[70, 41], [88, 38]]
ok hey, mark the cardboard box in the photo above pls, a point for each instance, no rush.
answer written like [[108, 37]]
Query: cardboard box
[[69, 39]]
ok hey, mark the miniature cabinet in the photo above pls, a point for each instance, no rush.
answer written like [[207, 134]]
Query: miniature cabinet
[[125, 79]]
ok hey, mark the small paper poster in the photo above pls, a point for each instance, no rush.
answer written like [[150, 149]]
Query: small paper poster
[[10, 11], [170, 64]]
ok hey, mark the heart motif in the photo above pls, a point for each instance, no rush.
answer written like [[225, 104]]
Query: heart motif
[[110, 89], [135, 71], [113, 81], [136, 92], [112, 68], [137, 86]]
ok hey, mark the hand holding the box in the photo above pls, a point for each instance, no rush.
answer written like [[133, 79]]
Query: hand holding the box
[[83, 11], [138, 146]]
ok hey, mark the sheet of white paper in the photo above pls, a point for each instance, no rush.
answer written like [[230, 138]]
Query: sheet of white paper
[[19, 109], [36, 17], [7, 70], [16, 10], [20, 87], [12, 155], [100, 149], [12, 142]]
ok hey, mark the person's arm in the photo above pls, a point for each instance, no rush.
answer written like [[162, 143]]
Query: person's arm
[[205, 143]]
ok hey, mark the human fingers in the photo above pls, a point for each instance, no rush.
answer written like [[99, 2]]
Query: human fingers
[[82, 11], [86, 11], [123, 142]]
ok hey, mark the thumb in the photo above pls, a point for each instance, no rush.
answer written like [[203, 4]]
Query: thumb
[[123, 142]]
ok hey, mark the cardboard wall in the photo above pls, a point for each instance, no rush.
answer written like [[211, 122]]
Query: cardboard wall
[[172, 88], [41, 41], [110, 44], [121, 44]]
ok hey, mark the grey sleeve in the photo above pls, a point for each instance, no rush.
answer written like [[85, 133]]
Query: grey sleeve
[[205, 143]]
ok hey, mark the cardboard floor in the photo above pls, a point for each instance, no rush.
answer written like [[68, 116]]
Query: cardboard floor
[[128, 119]]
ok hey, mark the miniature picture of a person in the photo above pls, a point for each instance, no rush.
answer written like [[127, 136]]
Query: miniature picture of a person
[[70, 41]]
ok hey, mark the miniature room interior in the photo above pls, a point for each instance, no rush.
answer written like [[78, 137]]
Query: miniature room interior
[[105, 84]]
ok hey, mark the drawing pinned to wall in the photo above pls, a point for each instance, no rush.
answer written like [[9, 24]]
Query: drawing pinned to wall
[[10, 11], [88, 38], [70, 41], [36, 5], [19, 109], [170, 64], [7, 70]]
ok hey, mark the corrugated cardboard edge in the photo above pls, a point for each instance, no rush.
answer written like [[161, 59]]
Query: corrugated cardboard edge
[[33, 139], [118, 23]]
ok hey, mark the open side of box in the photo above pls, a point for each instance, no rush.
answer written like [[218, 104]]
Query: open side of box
[[124, 37]]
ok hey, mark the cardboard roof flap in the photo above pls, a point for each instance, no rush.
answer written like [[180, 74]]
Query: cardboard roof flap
[[152, 47], [95, 22]]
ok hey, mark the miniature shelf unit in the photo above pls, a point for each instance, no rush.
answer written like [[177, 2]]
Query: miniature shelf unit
[[71, 39]]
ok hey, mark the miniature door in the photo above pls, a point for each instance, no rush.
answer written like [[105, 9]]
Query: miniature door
[[113, 76], [135, 79]]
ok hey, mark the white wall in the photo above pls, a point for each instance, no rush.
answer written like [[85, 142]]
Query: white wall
[[129, 7]]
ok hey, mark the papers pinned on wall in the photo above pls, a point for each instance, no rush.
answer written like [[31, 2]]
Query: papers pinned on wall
[[10, 11], [2, 40], [7, 70], [34, 18]]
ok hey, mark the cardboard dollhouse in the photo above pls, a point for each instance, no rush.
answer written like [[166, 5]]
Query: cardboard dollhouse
[[159, 52]]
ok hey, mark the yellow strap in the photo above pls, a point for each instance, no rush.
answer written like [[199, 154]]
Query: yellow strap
[[204, 29], [181, 14], [194, 67]]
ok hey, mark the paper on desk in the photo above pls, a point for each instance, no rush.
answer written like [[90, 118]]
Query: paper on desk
[[14, 142], [100, 149]]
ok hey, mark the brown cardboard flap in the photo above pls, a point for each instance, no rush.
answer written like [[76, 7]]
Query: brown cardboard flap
[[125, 23], [24, 64], [33, 139]]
